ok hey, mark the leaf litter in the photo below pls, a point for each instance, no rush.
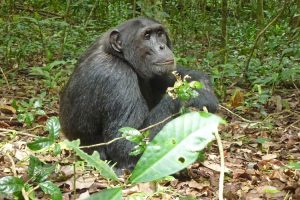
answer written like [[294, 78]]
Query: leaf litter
[[257, 153]]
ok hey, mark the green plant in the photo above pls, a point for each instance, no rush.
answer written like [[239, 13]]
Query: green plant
[[52, 74], [53, 127], [27, 111], [38, 172], [257, 99], [135, 136], [262, 142], [177, 145], [184, 90]]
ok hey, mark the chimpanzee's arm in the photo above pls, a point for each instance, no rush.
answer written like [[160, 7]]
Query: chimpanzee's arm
[[168, 106]]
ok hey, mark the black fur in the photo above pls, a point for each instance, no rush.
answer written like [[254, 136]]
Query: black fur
[[116, 84]]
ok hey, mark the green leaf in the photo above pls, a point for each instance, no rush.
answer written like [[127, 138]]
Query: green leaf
[[40, 112], [262, 140], [33, 163], [11, 184], [38, 104], [57, 149], [50, 188], [137, 137], [37, 71], [39, 171], [40, 143], [14, 104], [28, 118], [111, 194], [271, 190], [201, 156], [196, 84], [137, 150], [27, 187], [294, 165], [132, 134], [93, 160], [176, 146], [56, 63], [53, 126]]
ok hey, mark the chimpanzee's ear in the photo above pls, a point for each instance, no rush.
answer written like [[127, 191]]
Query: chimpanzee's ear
[[115, 40]]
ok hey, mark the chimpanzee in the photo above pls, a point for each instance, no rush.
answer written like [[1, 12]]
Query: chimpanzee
[[121, 80]]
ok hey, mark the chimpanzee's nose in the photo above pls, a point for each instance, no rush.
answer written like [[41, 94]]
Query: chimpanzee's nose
[[162, 47]]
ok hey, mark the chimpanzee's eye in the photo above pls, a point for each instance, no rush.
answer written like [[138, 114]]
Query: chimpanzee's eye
[[160, 33], [147, 36]]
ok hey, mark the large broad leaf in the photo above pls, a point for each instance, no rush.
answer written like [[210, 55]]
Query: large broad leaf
[[93, 160], [40, 143], [111, 194], [50, 188], [39, 171], [10, 184], [176, 146], [53, 126]]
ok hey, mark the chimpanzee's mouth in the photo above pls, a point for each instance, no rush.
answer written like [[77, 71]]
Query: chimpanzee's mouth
[[167, 62]]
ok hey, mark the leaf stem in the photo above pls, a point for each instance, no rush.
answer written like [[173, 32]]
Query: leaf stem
[[222, 170]]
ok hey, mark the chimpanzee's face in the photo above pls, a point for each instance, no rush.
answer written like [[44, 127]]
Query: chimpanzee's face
[[146, 46]]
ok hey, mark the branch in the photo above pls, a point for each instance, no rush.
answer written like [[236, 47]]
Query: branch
[[4, 77], [242, 118], [257, 39], [4, 130], [41, 12], [13, 165], [121, 137], [101, 144], [222, 163], [163, 121]]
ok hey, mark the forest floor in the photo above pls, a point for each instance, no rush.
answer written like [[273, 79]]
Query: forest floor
[[258, 151]]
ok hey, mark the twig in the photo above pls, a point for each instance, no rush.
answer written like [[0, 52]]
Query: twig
[[25, 194], [118, 138], [102, 144], [13, 165], [41, 12], [246, 69], [14, 171], [5, 78], [74, 180], [286, 197], [295, 127], [17, 132], [33, 189], [291, 113], [36, 127], [296, 86], [163, 121], [222, 170], [242, 118], [90, 14], [64, 33], [292, 124], [257, 39]]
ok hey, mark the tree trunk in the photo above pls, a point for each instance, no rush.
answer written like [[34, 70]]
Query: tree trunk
[[295, 22], [260, 19], [238, 7], [260, 13], [224, 31]]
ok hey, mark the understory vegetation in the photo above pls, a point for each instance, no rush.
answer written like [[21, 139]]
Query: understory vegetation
[[250, 49]]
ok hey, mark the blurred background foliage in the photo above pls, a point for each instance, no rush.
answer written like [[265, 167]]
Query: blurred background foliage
[[44, 38]]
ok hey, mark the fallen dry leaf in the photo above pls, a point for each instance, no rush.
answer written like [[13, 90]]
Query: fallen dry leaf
[[269, 157]]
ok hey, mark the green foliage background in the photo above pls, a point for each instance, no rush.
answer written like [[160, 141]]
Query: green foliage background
[[44, 38]]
